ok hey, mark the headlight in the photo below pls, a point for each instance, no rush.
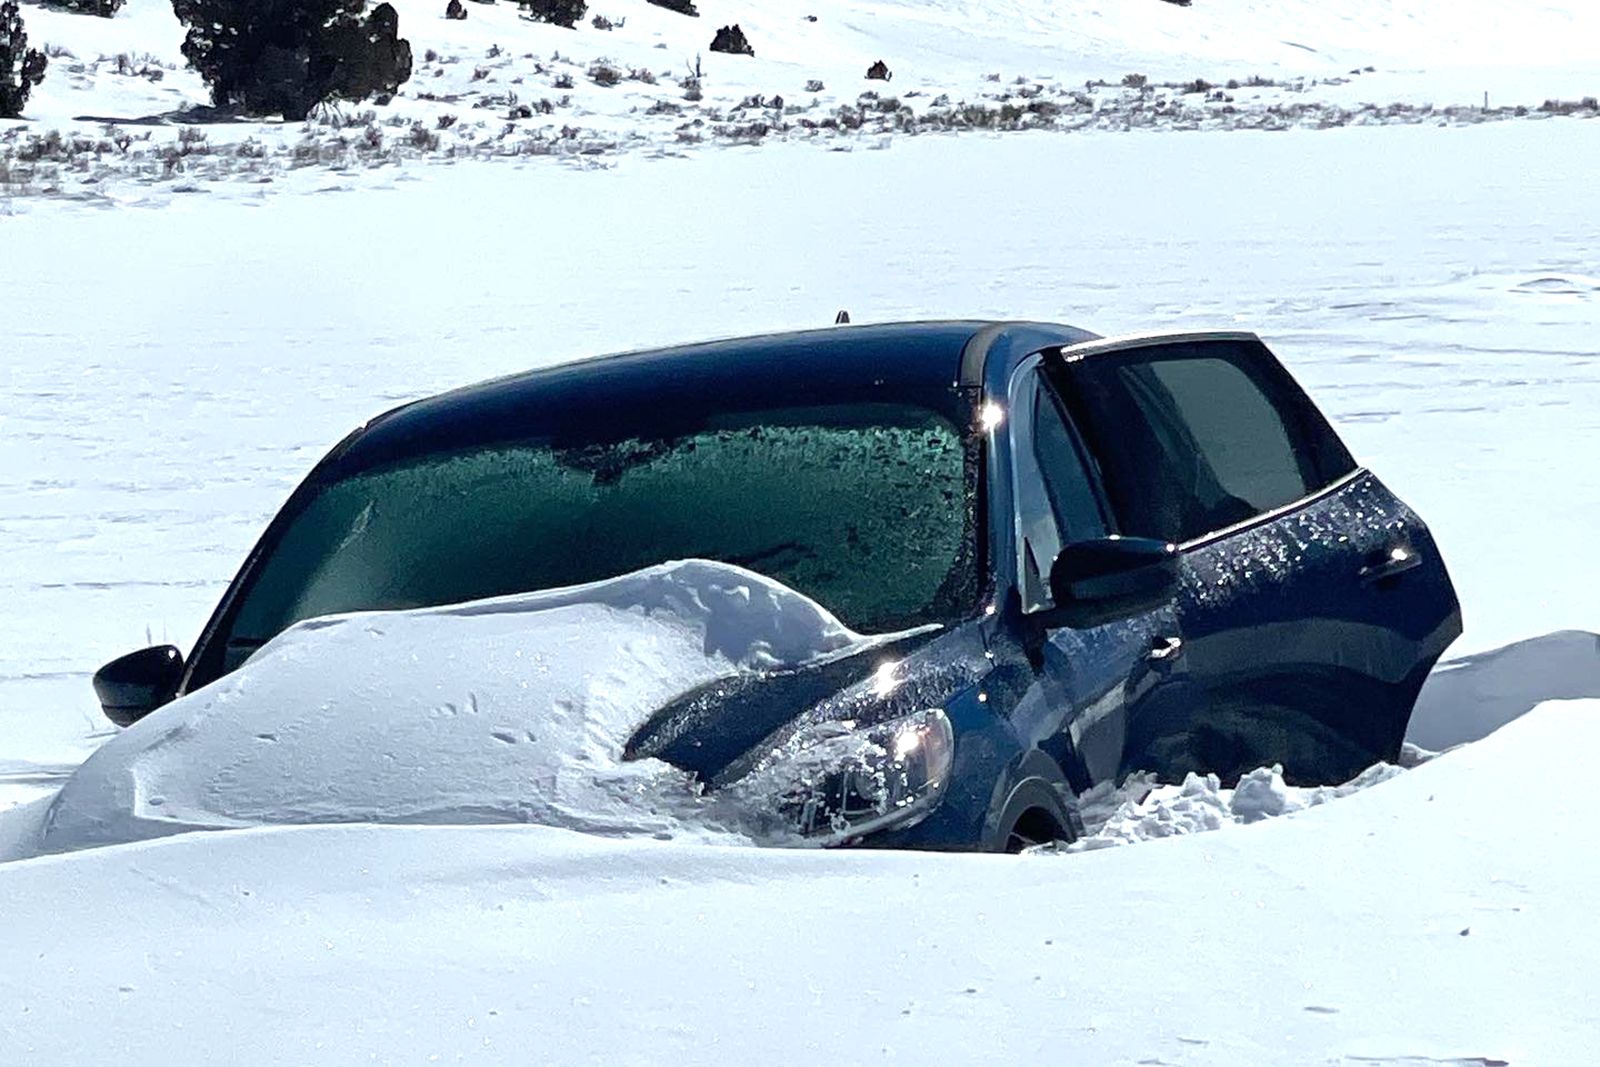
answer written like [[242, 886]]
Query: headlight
[[835, 781]]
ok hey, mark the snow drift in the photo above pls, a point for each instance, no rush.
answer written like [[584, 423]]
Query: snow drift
[[514, 709], [1433, 920]]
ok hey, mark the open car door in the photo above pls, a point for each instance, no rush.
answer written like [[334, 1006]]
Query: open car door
[[1313, 601]]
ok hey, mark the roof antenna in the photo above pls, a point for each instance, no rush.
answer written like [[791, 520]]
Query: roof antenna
[[841, 319]]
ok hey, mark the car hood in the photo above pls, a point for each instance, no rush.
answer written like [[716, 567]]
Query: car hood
[[589, 708]]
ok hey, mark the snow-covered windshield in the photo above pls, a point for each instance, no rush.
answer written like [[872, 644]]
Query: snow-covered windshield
[[865, 508]]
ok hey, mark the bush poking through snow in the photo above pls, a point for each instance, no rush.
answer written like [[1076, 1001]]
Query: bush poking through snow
[[814, 85], [601, 72], [147, 67], [556, 12], [455, 10], [731, 39], [879, 72], [423, 139], [1570, 107], [21, 67], [682, 7], [285, 57]]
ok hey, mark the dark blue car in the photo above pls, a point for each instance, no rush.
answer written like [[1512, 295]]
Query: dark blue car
[[1103, 556]]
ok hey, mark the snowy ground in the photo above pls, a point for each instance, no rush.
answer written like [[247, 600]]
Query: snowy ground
[[167, 375], [1427, 921], [1432, 288]]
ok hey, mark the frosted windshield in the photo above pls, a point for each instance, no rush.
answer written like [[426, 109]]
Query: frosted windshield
[[864, 508]]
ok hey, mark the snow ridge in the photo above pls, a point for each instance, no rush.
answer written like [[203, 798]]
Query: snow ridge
[[515, 709]]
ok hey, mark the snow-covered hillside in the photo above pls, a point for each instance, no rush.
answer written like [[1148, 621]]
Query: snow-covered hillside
[[116, 111]]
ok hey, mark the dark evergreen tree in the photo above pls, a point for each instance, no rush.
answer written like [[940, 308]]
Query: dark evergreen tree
[[287, 56], [556, 12], [21, 67], [104, 8], [682, 7], [731, 39]]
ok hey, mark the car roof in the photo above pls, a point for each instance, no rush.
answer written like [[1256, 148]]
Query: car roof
[[911, 362]]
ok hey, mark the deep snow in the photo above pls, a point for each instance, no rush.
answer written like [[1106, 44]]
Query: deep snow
[[1426, 921], [151, 431]]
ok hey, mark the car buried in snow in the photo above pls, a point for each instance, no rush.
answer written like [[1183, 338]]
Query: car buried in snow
[[1092, 556]]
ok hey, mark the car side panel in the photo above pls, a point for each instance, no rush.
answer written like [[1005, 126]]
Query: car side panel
[[1116, 696], [1301, 661]]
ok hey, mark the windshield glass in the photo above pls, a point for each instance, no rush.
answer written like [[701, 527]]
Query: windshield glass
[[865, 508]]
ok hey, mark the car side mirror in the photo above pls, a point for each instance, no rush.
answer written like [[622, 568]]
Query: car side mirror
[[132, 686], [1110, 578]]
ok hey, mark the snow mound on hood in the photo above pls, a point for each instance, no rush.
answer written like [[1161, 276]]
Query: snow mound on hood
[[514, 709]]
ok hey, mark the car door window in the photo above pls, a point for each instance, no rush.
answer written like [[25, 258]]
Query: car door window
[[1066, 479], [1055, 495], [1199, 436]]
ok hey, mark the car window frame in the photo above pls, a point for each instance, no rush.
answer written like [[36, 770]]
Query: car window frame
[[1030, 383], [1301, 416]]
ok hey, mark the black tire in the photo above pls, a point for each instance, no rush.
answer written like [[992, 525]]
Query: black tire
[[1035, 827], [1033, 815]]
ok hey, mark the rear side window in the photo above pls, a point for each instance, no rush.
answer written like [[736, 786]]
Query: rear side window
[[1196, 436]]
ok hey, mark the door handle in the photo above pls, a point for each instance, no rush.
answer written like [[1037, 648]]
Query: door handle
[[1396, 561], [1164, 650]]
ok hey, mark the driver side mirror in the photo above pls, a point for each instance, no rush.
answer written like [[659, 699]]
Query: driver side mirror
[[132, 686], [1110, 578]]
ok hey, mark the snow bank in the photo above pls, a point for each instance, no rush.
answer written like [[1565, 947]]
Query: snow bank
[[1142, 809], [514, 709], [1468, 698], [1428, 920]]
